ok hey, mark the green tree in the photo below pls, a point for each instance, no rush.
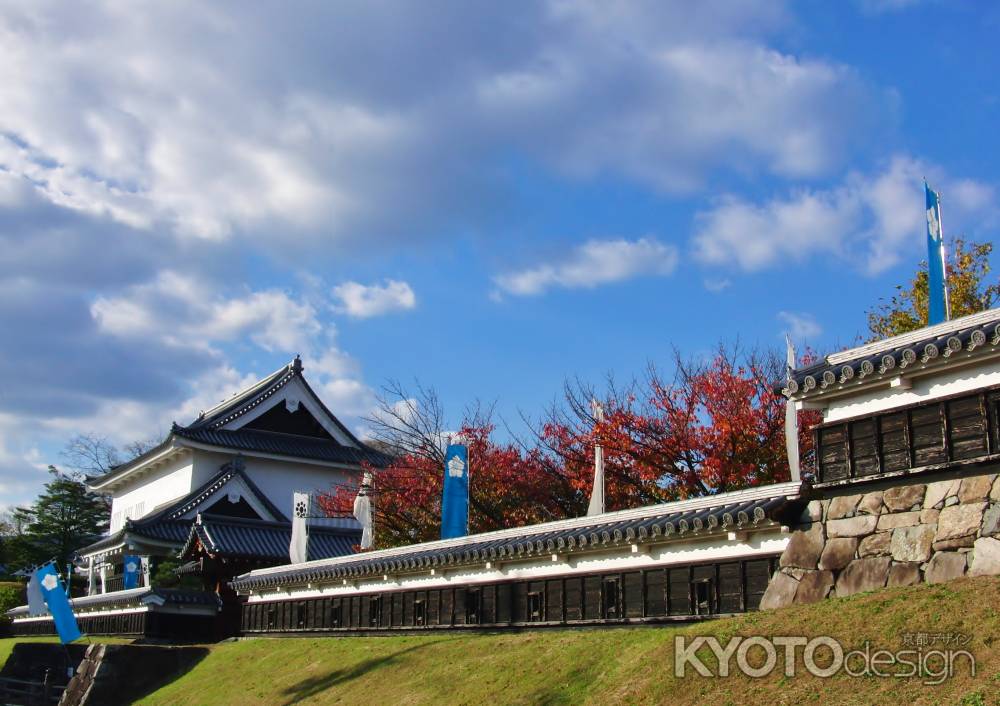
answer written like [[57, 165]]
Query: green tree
[[65, 516], [968, 287]]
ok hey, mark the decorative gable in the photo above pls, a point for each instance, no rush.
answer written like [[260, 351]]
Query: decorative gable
[[231, 494], [289, 418]]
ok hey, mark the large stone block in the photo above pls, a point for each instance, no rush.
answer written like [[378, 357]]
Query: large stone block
[[852, 526], [975, 489], [985, 557], [959, 520], [905, 574], [843, 506], [838, 553], [954, 543], [814, 586], [912, 543], [780, 592], [804, 548], [893, 520], [871, 503], [875, 545], [938, 491], [995, 492], [991, 520], [863, 575], [903, 497], [929, 516], [945, 566]]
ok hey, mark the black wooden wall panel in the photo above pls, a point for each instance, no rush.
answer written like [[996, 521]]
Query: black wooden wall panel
[[632, 594], [574, 598], [656, 592], [592, 597]]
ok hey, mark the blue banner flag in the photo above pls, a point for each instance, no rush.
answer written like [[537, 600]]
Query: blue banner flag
[[455, 502], [132, 565], [58, 603], [937, 302]]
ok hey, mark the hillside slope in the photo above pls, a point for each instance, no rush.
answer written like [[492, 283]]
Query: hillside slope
[[626, 665]]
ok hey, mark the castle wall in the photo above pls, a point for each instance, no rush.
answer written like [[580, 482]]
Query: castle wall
[[891, 534]]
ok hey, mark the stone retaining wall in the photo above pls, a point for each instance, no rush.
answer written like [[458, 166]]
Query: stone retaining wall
[[896, 536]]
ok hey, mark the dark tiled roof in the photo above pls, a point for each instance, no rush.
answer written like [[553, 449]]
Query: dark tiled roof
[[207, 429], [951, 341], [166, 524], [135, 597], [265, 540], [173, 532], [682, 520], [251, 440]]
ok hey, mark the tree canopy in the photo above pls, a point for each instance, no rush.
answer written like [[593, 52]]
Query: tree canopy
[[62, 519], [970, 291], [711, 427]]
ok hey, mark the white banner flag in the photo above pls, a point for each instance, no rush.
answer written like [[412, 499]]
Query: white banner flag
[[363, 511], [791, 418], [298, 550], [596, 506]]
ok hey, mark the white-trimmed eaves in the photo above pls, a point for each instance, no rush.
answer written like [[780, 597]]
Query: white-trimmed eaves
[[904, 339], [789, 490]]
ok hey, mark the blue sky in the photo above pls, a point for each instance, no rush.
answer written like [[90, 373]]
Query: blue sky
[[485, 200]]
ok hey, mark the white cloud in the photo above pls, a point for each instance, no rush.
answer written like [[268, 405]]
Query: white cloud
[[179, 311], [184, 310], [211, 123], [715, 285], [800, 326], [592, 264], [876, 7], [363, 301], [871, 220]]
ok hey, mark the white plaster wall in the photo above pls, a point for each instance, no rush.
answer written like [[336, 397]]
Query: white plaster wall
[[168, 482], [948, 381], [279, 479]]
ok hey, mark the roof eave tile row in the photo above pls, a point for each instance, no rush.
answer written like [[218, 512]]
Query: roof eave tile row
[[950, 347], [131, 598], [649, 530]]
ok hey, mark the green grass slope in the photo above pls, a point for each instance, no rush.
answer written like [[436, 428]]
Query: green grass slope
[[605, 666]]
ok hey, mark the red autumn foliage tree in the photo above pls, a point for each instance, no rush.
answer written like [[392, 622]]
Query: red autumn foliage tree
[[712, 427], [510, 487]]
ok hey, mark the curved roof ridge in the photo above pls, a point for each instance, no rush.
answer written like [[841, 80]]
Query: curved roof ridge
[[275, 379], [921, 334]]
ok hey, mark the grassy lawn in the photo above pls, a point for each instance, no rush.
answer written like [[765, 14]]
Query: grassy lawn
[[629, 665]]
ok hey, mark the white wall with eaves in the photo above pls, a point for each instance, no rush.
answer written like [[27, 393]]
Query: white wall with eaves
[[912, 388], [141, 496], [277, 479], [721, 547]]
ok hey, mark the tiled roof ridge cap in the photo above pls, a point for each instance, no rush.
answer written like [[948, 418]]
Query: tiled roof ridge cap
[[705, 501], [921, 334]]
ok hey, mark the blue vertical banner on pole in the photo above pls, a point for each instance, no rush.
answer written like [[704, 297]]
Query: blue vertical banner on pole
[[58, 603], [937, 300], [455, 501], [132, 566]]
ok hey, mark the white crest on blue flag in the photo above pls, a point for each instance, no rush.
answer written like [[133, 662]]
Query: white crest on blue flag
[[58, 603]]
